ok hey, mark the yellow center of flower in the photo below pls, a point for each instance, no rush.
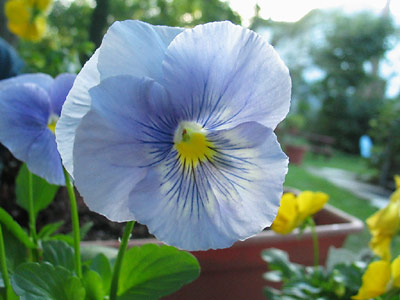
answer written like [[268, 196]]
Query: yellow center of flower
[[192, 144], [51, 124]]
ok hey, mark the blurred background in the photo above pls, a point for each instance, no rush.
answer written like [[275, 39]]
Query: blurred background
[[343, 131]]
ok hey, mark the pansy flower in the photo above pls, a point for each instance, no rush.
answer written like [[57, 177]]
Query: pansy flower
[[174, 128], [294, 210], [384, 224], [380, 277], [30, 106], [27, 18]]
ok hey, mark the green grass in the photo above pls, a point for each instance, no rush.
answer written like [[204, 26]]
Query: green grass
[[343, 199]]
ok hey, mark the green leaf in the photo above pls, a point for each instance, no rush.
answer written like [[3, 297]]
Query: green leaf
[[102, 266], [34, 281], [152, 271], [16, 252], [49, 229], [85, 229], [15, 229], [59, 253], [43, 192], [279, 260], [93, 286]]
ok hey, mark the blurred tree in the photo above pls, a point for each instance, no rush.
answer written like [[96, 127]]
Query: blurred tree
[[99, 21], [351, 90], [385, 131]]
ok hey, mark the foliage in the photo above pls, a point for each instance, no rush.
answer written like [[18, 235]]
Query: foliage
[[300, 282], [149, 271], [351, 90], [74, 30], [385, 132]]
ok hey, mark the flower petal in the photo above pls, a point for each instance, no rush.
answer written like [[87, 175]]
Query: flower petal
[[222, 75], [59, 91], [374, 280], [42, 80], [140, 48], [110, 147], [125, 40], [310, 203], [286, 219], [230, 197], [44, 159], [24, 112], [75, 107]]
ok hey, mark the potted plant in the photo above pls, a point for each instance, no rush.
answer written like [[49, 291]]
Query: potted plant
[[236, 272]]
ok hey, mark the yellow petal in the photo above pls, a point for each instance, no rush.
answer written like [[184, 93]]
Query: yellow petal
[[17, 12], [385, 221], [395, 267], [36, 31], [374, 280], [397, 181], [285, 221], [380, 245], [309, 203]]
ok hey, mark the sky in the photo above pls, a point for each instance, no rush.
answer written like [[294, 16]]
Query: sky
[[294, 10]]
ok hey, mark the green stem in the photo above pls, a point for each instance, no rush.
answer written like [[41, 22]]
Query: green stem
[[75, 224], [118, 262], [3, 262], [32, 218], [315, 241]]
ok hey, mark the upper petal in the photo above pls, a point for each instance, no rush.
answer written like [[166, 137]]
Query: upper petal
[[42, 80], [129, 47], [222, 74], [135, 48]]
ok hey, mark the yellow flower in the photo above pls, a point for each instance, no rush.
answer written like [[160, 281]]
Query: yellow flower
[[384, 224], [379, 277], [374, 280], [26, 18], [294, 210]]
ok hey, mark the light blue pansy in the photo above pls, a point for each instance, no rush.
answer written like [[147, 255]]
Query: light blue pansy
[[174, 128], [30, 106]]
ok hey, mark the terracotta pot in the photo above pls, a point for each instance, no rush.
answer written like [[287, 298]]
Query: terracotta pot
[[236, 272], [295, 153]]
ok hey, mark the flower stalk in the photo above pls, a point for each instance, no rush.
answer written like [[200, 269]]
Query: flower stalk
[[121, 252], [314, 235], [75, 224], [3, 262], [32, 218]]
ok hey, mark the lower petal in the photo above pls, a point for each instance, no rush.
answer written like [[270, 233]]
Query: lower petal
[[232, 196], [24, 112]]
